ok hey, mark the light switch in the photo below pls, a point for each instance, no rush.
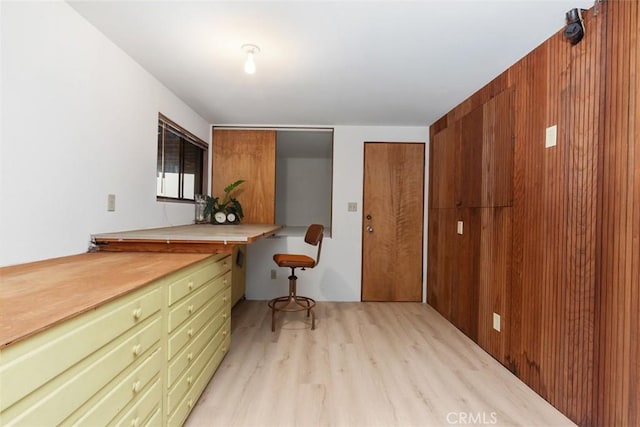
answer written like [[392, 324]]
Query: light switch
[[460, 227], [551, 136], [111, 202], [352, 207], [496, 322]]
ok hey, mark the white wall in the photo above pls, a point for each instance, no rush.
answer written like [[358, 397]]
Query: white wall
[[79, 122], [303, 191], [338, 276]]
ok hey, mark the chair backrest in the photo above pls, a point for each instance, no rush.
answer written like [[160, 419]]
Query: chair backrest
[[314, 237]]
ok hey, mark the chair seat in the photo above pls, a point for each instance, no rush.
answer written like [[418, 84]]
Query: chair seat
[[294, 260]]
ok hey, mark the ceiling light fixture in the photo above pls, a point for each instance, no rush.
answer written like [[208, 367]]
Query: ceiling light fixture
[[250, 63]]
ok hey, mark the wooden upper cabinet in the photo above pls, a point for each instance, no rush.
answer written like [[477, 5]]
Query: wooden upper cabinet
[[470, 191], [486, 154], [248, 155], [497, 150], [471, 160], [444, 159]]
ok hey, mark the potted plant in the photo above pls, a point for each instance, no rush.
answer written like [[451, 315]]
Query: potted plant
[[227, 210]]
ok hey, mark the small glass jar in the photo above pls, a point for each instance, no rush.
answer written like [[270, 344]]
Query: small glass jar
[[200, 204]]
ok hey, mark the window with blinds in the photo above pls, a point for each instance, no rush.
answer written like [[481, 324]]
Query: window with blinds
[[182, 162]]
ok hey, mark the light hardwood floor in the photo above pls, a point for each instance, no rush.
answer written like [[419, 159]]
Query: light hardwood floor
[[366, 364]]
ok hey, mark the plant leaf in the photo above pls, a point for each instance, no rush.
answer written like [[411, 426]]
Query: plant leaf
[[237, 207], [229, 188]]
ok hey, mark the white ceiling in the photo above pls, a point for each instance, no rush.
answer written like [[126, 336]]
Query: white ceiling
[[327, 62]]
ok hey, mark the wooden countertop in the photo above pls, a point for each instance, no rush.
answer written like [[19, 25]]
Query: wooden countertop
[[195, 238], [38, 295]]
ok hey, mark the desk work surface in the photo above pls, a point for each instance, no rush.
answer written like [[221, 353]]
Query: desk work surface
[[185, 238]]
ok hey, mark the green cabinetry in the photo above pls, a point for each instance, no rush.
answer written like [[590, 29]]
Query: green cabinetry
[[141, 359]]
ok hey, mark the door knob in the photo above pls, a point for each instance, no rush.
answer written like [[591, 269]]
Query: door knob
[[369, 229]]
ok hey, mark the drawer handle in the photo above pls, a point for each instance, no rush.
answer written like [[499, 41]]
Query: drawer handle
[[137, 313], [190, 285], [190, 357], [225, 281], [224, 315], [190, 332], [136, 386], [224, 350], [190, 403], [224, 299], [136, 349], [224, 333], [135, 422], [190, 308], [189, 380]]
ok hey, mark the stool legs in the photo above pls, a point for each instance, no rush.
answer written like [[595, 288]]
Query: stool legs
[[292, 302]]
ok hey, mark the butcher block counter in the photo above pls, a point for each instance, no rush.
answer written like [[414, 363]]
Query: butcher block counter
[[38, 295], [124, 338]]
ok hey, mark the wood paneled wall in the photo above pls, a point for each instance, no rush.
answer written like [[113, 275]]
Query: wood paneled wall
[[471, 170], [618, 270], [555, 206], [566, 276]]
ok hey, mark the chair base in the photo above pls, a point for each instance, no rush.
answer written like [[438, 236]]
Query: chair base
[[291, 303]]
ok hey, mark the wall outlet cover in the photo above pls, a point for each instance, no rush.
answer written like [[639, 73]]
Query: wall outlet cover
[[551, 136], [460, 227], [496, 322]]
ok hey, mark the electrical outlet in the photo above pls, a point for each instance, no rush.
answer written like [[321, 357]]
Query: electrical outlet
[[111, 203], [352, 207], [551, 136], [460, 227], [496, 322], [274, 274]]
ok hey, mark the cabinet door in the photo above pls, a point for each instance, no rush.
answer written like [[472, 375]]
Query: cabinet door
[[466, 273], [471, 153], [495, 280], [486, 154], [441, 259], [497, 150], [249, 155], [444, 161]]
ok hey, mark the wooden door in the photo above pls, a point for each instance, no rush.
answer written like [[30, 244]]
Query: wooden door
[[393, 216], [249, 155]]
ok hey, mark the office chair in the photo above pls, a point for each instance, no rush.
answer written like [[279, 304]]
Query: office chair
[[293, 301]]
